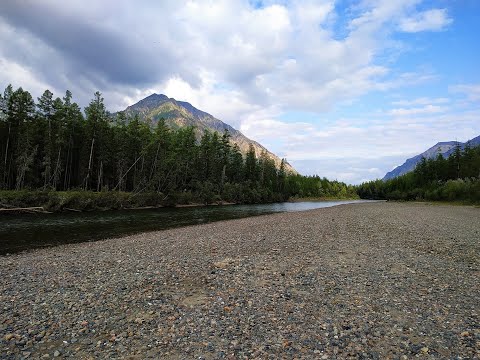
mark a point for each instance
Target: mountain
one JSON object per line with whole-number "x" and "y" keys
{"x": 178, "y": 114}
{"x": 444, "y": 148}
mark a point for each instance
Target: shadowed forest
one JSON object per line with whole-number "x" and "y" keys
{"x": 456, "y": 178}
{"x": 52, "y": 149}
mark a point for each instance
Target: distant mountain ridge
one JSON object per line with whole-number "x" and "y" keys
{"x": 179, "y": 114}
{"x": 445, "y": 148}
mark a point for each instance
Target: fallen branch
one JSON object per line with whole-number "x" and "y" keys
{"x": 74, "y": 210}
{"x": 25, "y": 210}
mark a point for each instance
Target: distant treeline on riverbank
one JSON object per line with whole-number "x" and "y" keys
{"x": 52, "y": 155}
{"x": 456, "y": 178}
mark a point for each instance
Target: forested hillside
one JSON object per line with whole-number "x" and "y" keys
{"x": 179, "y": 114}
{"x": 454, "y": 178}
{"x": 51, "y": 145}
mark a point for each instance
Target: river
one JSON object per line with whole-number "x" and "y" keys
{"x": 29, "y": 231}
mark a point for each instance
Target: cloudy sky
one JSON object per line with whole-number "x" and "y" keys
{"x": 344, "y": 89}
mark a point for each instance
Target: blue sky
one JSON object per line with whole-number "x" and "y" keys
{"x": 342, "y": 89}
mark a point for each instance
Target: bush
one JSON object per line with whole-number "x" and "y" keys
{"x": 185, "y": 197}
{"x": 454, "y": 190}
{"x": 232, "y": 193}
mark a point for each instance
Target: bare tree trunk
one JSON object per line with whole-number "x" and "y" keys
{"x": 6, "y": 175}
{"x": 120, "y": 174}
{"x": 48, "y": 156}
{"x": 154, "y": 165}
{"x": 223, "y": 176}
{"x": 57, "y": 168}
{"x": 22, "y": 169}
{"x": 100, "y": 176}
{"x": 67, "y": 161}
{"x": 130, "y": 168}
{"x": 134, "y": 185}
{"x": 89, "y": 164}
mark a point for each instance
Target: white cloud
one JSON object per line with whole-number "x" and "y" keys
{"x": 428, "y": 109}
{"x": 263, "y": 125}
{"x": 421, "y": 101}
{"x": 313, "y": 13}
{"x": 430, "y": 20}
{"x": 346, "y": 149}
{"x": 15, "y": 74}
{"x": 245, "y": 65}
{"x": 471, "y": 91}
{"x": 282, "y": 54}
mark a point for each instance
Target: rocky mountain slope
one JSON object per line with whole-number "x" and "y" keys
{"x": 444, "y": 148}
{"x": 178, "y": 114}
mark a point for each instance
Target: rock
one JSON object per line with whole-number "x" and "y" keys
{"x": 223, "y": 264}
{"x": 248, "y": 309}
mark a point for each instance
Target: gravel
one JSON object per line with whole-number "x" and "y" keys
{"x": 363, "y": 281}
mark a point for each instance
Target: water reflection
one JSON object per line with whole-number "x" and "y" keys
{"x": 21, "y": 232}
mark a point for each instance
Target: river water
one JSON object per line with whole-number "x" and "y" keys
{"x": 28, "y": 231}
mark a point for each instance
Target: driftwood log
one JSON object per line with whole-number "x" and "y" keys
{"x": 35, "y": 209}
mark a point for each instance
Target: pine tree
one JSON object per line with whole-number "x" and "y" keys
{"x": 21, "y": 110}
{"x": 73, "y": 139}
{"x": 251, "y": 166}
{"x": 45, "y": 114}
{"x": 8, "y": 124}
{"x": 95, "y": 128}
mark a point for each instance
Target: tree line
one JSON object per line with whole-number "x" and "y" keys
{"x": 52, "y": 145}
{"x": 456, "y": 178}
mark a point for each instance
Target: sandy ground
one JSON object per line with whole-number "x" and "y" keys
{"x": 363, "y": 281}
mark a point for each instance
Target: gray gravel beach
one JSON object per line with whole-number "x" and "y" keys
{"x": 363, "y": 281}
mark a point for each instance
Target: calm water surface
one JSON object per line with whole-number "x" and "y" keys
{"x": 27, "y": 231}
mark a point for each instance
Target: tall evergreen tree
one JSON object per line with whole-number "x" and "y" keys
{"x": 95, "y": 131}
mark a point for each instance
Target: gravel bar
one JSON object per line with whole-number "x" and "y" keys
{"x": 362, "y": 281}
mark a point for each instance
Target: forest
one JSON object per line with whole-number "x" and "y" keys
{"x": 456, "y": 178}
{"x": 53, "y": 153}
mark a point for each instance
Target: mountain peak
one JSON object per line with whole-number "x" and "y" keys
{"x": 149, "y": 102}
{"x": 178, "y": 114}
{"x": 446, "y": 148}
{"x": 155, "y": 96}
{"x": 441, "y": 143}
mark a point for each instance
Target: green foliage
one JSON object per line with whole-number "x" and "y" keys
{"x": 316, "y": 187}
{"x": 454, "y": 179}
{"x": 99, "y": 161}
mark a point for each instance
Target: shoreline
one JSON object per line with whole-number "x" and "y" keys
{"x": 322, "y": 199}
{"x": 381, "y": 279}
{"x": 32, "y": 231}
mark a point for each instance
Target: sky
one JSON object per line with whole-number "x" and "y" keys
{"x": 343, "y": 89}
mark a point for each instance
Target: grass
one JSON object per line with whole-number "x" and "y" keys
{"x": 56, "y": 201}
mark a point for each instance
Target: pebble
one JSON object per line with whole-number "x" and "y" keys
{"x": 387, "y": 280}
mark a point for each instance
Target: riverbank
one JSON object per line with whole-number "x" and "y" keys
{"x": 58, "y": 201}
{"x": 26, "y": 201}
{"x": 320, "y": 199}
{"x": 372, "y": 280}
